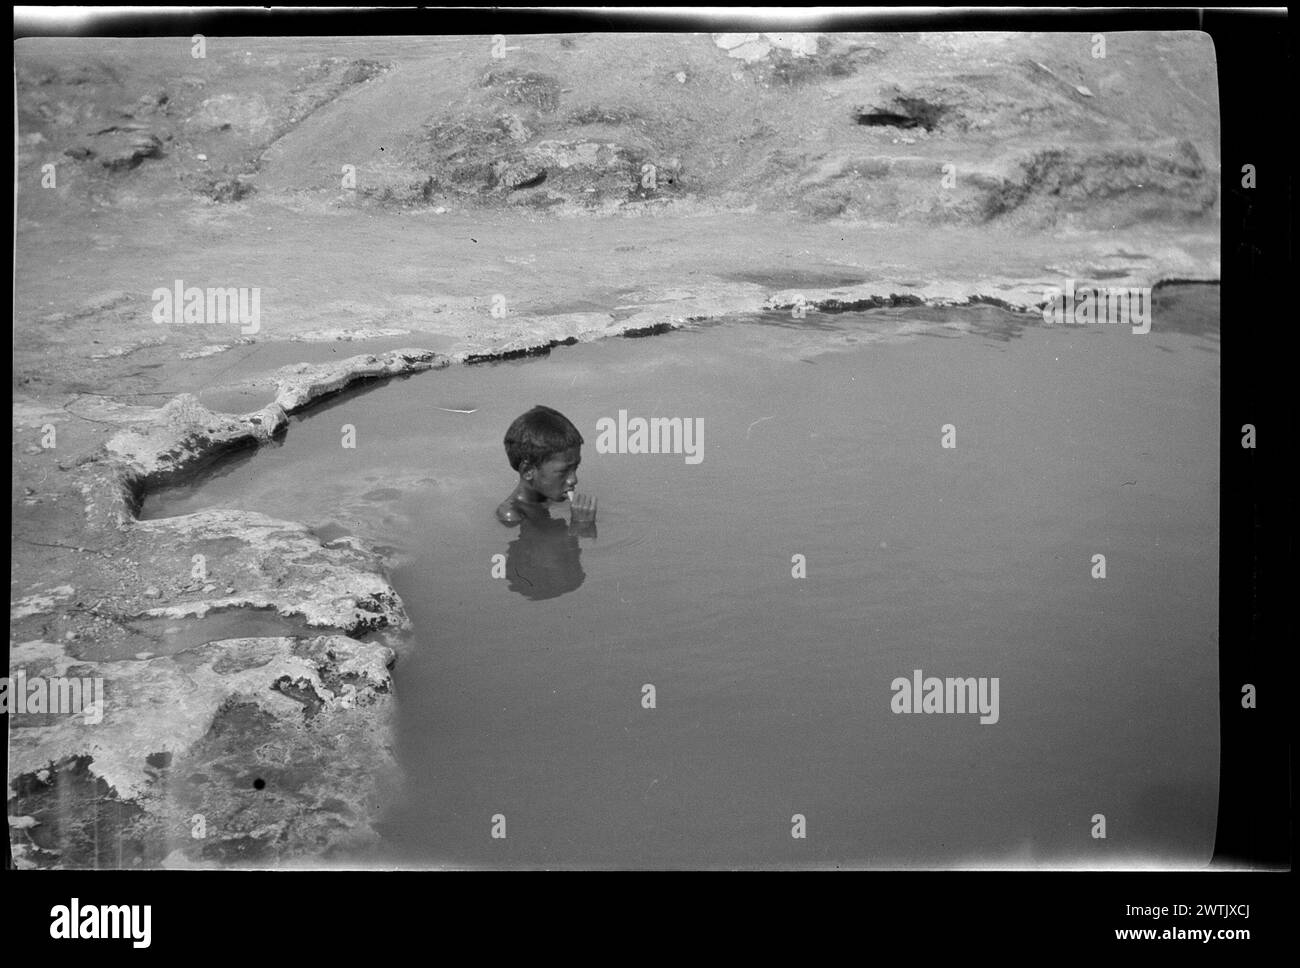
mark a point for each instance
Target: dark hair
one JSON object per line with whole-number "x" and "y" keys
{"x": 539, "y": 433}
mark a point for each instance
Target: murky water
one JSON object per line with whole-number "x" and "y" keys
{"x": 523, "y": 702}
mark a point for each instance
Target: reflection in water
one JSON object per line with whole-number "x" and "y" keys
{"x": 545, "y": 561}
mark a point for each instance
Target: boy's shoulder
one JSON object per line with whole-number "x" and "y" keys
{"x": 508, "y": 512}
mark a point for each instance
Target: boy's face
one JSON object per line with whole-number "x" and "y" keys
{"x": 555, "y": 475}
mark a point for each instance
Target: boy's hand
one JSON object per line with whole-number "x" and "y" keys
{"x": 582, "y": 508}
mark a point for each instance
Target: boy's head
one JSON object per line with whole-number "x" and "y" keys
{"x": 545, "y": 448}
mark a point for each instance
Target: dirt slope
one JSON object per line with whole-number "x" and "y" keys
{"x": 1037, "y": 130}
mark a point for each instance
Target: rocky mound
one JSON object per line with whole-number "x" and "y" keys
{"x": 931, "y": 129}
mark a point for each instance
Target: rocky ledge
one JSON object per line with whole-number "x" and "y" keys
{"x": 187, "y": 746}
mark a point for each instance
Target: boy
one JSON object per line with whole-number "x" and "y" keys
{"x": 546, "y": 449}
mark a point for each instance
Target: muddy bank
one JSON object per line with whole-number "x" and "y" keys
{"x": 160, "y": 772}
{"x": 244, "y": 752}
